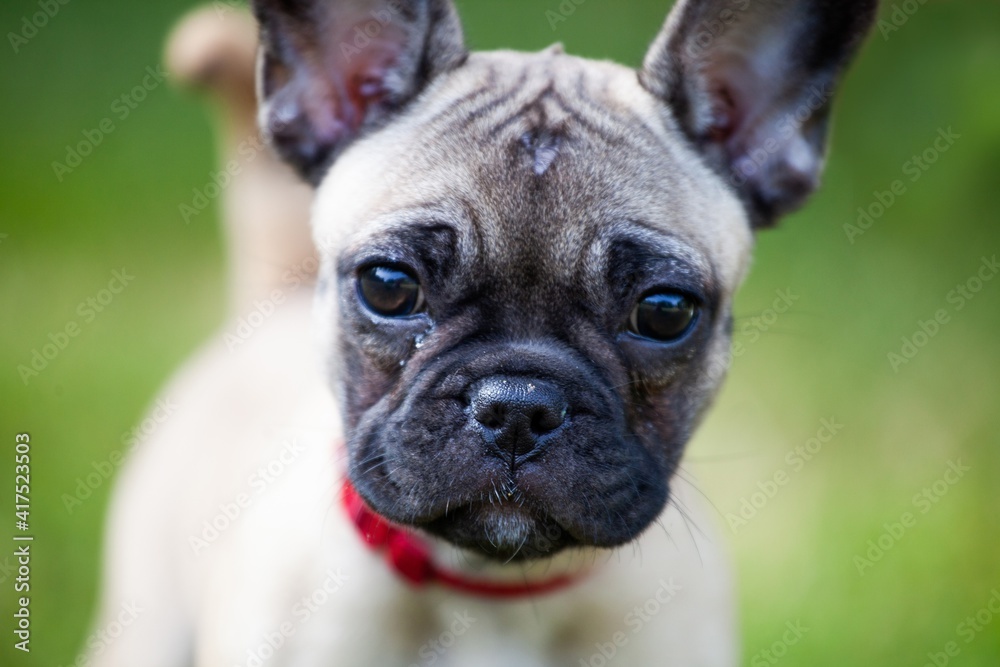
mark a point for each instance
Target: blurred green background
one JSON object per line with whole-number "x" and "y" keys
{"x": 825, "y": 358}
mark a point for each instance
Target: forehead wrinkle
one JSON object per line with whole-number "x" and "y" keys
{"x": 397, "y": 224}
{"x": 664, "y": 243}
{"x": 649, "y": 174}
{"x": 526, "y": 83}
{"x": 513, "y": 87}
{"x": 555, "y": 105}
{"x": 545, "y": 106}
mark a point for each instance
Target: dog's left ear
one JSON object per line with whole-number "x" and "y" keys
{"x": 750, "y": 82}
{"x": 330, "y": 70}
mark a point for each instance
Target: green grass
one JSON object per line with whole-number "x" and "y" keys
{"x": 826, "y": 357}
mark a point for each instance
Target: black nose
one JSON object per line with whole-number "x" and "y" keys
{"x": 515, "y": 413}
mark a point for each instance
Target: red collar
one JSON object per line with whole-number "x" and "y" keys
{"x": 411, "y": 558}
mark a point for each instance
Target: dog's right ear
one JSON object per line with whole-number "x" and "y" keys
{"x": 330, "y": 70}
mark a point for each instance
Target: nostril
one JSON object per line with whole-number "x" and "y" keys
{"x": 545, "y": 419}
{"x": 516, "y": 415}
{"x": 492, "y": 416}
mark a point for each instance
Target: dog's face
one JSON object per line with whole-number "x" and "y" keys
{"x": 532, "y": 301}
{"x": 530, "y": 259}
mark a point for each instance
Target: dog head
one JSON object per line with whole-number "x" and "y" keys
{"x": 530, "y": 259}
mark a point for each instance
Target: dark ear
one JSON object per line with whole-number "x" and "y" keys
{"x": 751, "y": 81}
{"x": 332, "y": 69}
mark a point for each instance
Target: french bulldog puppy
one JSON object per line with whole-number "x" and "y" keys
{"x": 528, "y": 263}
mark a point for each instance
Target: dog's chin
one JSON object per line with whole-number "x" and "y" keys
{"x": 503, "y": 531}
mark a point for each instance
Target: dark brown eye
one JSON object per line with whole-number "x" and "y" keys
{"x": 663, "y": 317}
{"x": 390, "y": 292}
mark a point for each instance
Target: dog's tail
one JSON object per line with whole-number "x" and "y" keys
{"x": 265, "y": 208}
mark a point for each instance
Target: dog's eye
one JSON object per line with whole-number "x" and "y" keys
{"x": 390, "y": 292}
{"x": 663, "y": 317}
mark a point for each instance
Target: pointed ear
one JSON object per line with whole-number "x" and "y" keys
{"x": 750, "y": 82}
{"x": 330, "y": 70}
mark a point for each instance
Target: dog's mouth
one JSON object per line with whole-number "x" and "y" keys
{"x": 508, "y": 529}
{"x": 515, "y": 452}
